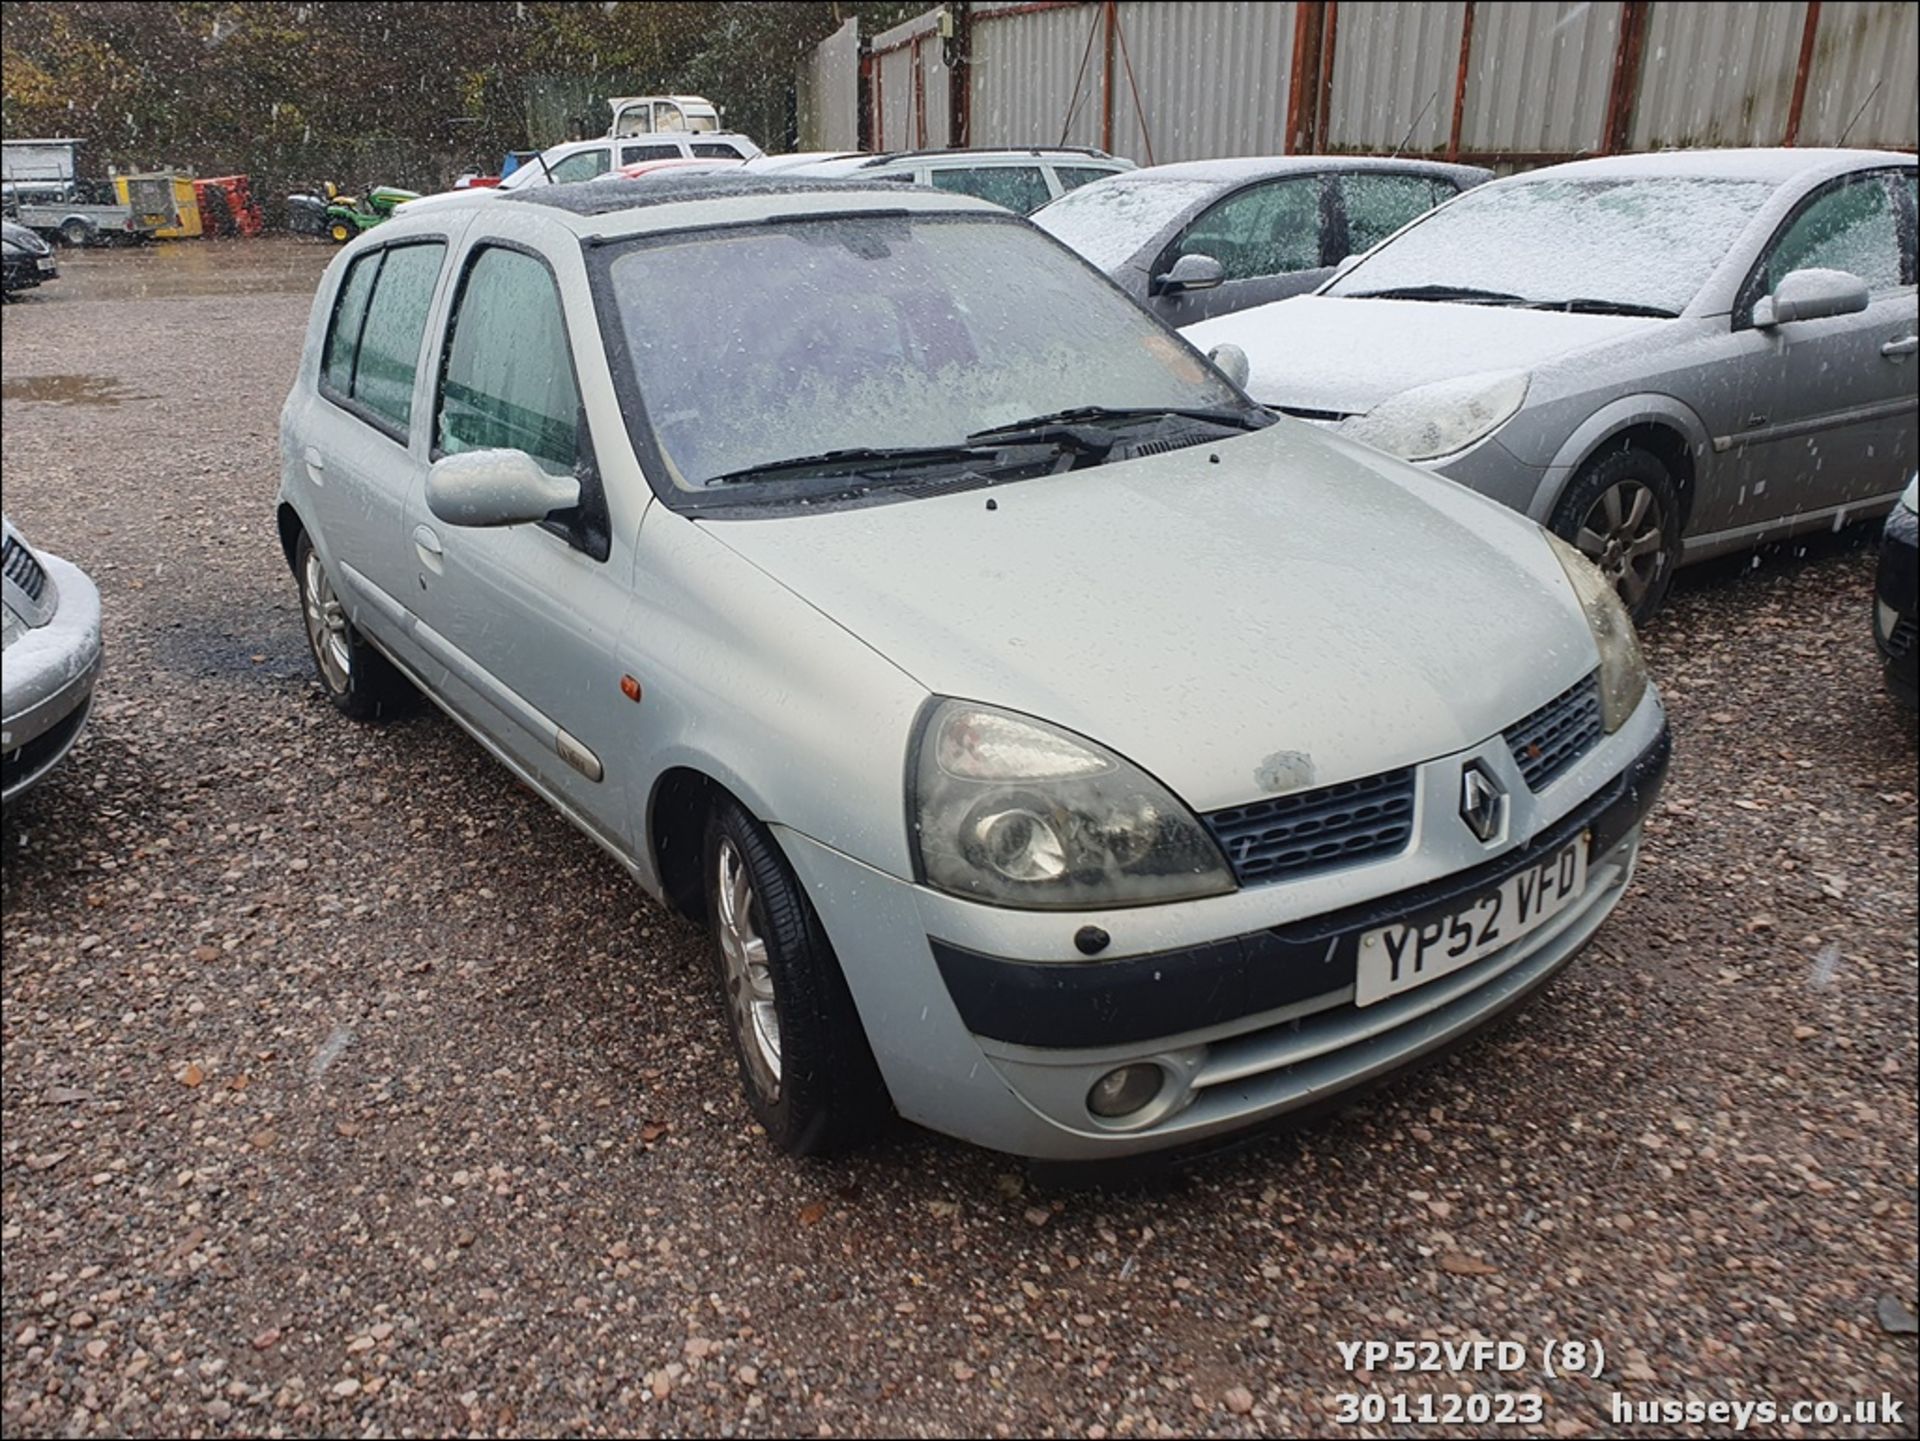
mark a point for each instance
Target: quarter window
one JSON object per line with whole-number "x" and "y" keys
{"x": 1021, "y": 188}
{"x": 584, "y": 166}
{"x": 509, "y": 371}
{"x": 1072, "y": 177}
{"x": 1377, "y": 205}
{"x": 373, "y": 350}
{"x": 715, "y": 150}
{"x": 1851, "y": 227}
{"x": 1269, "y": 229}
{"x": 634, "y": 154}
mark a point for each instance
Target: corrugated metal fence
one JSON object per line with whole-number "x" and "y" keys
{"x": 1503, "y": 82}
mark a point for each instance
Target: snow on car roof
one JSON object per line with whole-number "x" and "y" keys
{"x": 1775, "y": 164}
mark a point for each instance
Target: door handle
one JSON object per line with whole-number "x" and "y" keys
{"x": 316, "y": 463}
{"x": 1905, "y": 345}
{"x": 427, "y": 544}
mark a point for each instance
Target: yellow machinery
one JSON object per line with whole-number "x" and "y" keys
{"x": 166, "y": 200}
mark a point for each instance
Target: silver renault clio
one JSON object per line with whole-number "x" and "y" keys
{"x": 1062, "y": 751}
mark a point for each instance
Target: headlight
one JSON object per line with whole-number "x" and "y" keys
{"x": 1430, "y": 421}
{"x": 1623, "y": 674}
{"x": 11, "y": 627}
{"x": 1017, "y": 812}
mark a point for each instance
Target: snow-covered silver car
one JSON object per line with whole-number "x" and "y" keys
{"x": 50, "y": 657}
{"x": 1660, "y": 357}
{"x": 1052, "y": 742}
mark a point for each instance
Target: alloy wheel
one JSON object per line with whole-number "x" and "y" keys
{"x": 751, "y": 1003}
{"x": 327, "y": 627}
{"x": 1624, "y": 534}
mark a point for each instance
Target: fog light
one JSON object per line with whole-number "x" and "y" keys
{"x": 1126, "y": 1090}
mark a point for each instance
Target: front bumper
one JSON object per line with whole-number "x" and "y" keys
{"x": 1895, "y": 601}
{"x": 1247, "y": 1028}
{"x": 49, "y": 674}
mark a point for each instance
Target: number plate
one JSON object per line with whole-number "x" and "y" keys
{"x": 1397, "y": 958}
{"x": 44, "y": 262}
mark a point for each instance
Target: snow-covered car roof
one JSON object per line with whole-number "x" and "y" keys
{"x": 1774, "y": 164}
{"x": 1258, "y": 167}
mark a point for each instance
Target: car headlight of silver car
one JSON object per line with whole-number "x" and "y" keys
{"x": 1623, "y": 674}
{"x": 11, "y": 626}
{"x": 1010, "y": 810}
{"x": 1430, "y": 421}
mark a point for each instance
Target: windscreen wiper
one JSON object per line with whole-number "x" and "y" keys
{"x": 1587, "y": 305}
{"x": 1462, "y": 294}
{"x": 858, "y": 459}
{"x": 1071, "y": 426}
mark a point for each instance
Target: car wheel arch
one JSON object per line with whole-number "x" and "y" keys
{"x": 1662, "y": 426}
{"x": 291, "y": 527}
{"x": 686, "y": 791}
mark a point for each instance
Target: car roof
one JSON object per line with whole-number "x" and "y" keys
{"x": 1259, "y": 167}
{"x": 1775, "y": 164}
{"x": 610, "y": 208}
{"x": 853, "y": 164}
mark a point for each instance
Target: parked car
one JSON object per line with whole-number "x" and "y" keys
{"x": 677, "y": 166}
{"x": 587, "y": 159}
{"x": 1213, "y": 236}
{"x": 1021, "y": 180}
{"x": 51, "y": 617}
{"x": 29, "y": 259}
{"x": 1058, "y": 752}
{"x": 1661, "y": 357}
{"x": 1895, "y": 599}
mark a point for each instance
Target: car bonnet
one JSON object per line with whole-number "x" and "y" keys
{"x": 1299, "y": 595}
{"x": 1343, "y": 356}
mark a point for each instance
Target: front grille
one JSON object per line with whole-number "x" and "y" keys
{"x": 1292, "y": 836}
{"x": 22, "y": 569}
{"x": 1558, "y": 734}
{"x": 1905, "y": 633}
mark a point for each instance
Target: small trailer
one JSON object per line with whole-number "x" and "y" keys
{"x": 42, "y": 190}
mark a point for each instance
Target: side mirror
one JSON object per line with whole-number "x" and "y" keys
{"x": 1190, "y": 272}
{"x": 1811, "y": 295}
{"x": 496, "y": 487}
{"x": 1344, "y": 266}
{"x": 1231, "y": 361}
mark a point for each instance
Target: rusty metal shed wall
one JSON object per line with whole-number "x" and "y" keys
{"x": 1214, "y": 79}
{"x": 1538, "y": 76}
{"x": 1866, "y": 64}
{"x": 828, "y": 85}
{"x": 1717, "y": 72}
{"x": 1186, "y": 58}
{"x": 1028, "y": 77}
{"x": 1394, "y": 68}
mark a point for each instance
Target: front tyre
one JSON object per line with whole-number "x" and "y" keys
{"x": 1623, "y": 513}
{"x": 805, "y": 1066}
{"x": 357, "y": 678}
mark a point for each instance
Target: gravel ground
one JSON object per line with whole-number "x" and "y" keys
{"x": 348, "y": 1090}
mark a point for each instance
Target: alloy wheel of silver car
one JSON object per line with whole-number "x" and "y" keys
{"x": 1623, "y": 533}
{"x": 327, "y": 626}
{"x": 751, "y": 1002}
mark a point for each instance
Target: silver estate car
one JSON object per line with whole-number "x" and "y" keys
{"x": 1044, "y": 734}
{"x": 51, "y": 659}
{"x": 1660, "y": 357}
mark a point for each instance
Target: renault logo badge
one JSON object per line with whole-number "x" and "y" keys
{"x": 1482, "y": 802}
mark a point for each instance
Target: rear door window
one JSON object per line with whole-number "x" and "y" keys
{"x": 715, "y": 150}
{"x": 1272, "y": 228}
{"x": 1376, "y": 205}
{"x": 508, "y": 379}
{"x": 1021, "y": 188}
{"x": 373, "y": 351}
